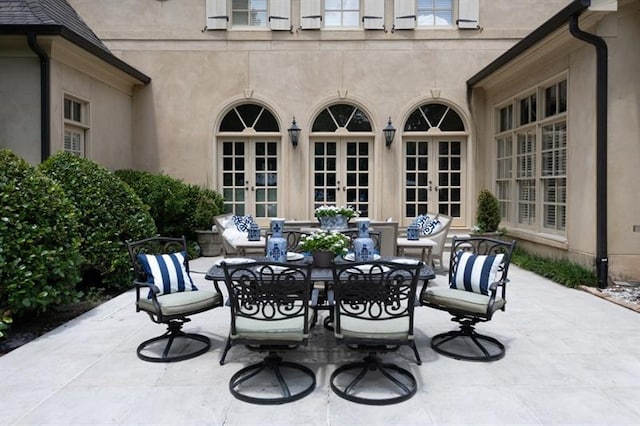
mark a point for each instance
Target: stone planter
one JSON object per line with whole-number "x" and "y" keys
{"x": 210, "y": 243}
{"x": 322, "y": 258}
{"x": 333, "y": 223}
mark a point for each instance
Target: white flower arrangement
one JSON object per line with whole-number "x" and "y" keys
{"x": 330, "y": 241}
{"x": 327, "y": 211}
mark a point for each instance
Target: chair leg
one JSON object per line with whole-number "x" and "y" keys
{"x": 273, "y": 367}
{"x": 174, "y": 332}
{"x": 415, "y": 352}
{"x": 226, "y": 349}
{"x": 491, "y": 349}
{"x": 402, "y": 383}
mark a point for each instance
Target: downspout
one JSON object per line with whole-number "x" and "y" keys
{"x": 45, "y": 96}
{"x": 602, "y": 261}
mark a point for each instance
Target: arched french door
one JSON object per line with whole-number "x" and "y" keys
{"x": 434, "y": 153}
{"x": 249, "y": 147}
{"x": 342, "y": 158}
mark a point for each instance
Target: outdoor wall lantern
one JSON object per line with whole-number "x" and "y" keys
{"x": 294, "y": 133}
{"x": 389, "y": 133}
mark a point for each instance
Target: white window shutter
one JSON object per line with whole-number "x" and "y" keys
{"x": 280, "y": 15}
{"x": 217, "y": 17}
{"x": 373, "y": 18}
{"x": 310, "y": 14}
{"x": 468, "y": 14}
{"x": 404, "y": 15}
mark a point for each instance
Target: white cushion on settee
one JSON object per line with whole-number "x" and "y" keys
{"x": 231, "y": 235}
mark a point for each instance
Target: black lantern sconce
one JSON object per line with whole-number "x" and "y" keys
{"x": 294, "y": 133}
{"x": 389, "y": 133}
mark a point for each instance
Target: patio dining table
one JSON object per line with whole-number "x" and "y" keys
{"x": 318, "y": 275}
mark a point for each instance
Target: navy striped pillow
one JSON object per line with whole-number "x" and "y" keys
{"x": 167, "y": 272}
{"x": 475, "y": 273}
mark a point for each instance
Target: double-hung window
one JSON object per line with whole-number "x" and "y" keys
{"x": 76, "y": 126}
{"x": 531, "y": 159}
{"x": 249, "y": 13}
{"x": 272, "y": 15}
{"x": 434, "y": 13}
{"x": 412, "y": 14}
{"x": 341, "y": 13}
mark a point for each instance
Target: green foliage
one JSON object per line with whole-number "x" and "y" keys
{"x": 110, "y": 213}
{"x": 560, "y": 271}
{"x": 324, "y": 240}
{"x": 176, "y": 207}
{"x": 488, "y": 215}
{"x": 39, "y": 241}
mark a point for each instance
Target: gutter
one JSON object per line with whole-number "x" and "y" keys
{"x": 602, "y": 79}
{"x": 45, "y": 96}
{"x": 570, "y": 14}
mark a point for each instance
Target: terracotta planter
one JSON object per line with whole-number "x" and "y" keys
{"x": 322, "y": 258}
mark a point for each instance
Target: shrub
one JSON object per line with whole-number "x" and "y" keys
{"x": 176, "y": 207}
{"x": 488, "y": 216}
{"x": 109, "y": 212}
{"x": 561, "y": 271}
{"x": 39, "y": 241}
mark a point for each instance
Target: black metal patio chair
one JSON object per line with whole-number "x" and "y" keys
{"x": 161, "y": 266}
{"x": 477, "y": 288}
{"x": 270, "y": 313}
{"x": 374, "y": 309}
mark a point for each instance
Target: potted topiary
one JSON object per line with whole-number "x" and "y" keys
{"x": 209, "y": 238}
{"x": 488, "y": 215}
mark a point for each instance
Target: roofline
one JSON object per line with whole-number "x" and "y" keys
{"x": 73, "y": 37}
{"x": 556, "y": 21}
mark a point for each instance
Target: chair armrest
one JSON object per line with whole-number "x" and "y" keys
{"x": 139, "y": 284}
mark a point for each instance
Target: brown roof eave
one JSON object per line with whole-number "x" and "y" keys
{"x": 556, "y": 21}
{"x": 64, "y": 32}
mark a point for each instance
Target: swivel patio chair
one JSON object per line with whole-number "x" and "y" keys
{"x": 374, "y": 307}
{"x": 161, "y": 265}
{"x": 270, "y": 313}
{"x": 477, "y": 289}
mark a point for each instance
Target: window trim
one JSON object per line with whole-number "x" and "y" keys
{"x": 82, "y": 127}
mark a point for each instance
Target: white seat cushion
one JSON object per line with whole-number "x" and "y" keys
{"x": 182, "y": 303}
{"x": 391, "y": 329}
{"x": 291, "y": 329}
{"x": 461, "y": 300}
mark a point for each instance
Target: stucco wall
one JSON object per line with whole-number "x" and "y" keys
{"x": 20, "y": 104}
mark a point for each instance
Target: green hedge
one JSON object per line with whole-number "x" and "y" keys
{"x": 110, "y": 213}
{"x": 560, "y": 271}
{"x": 177, "y": 208}
{"x": 39, "y": 240}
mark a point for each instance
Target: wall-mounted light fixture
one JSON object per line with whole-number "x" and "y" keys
{"x": 294, "y": 133}
{"x": 389, "y": 133}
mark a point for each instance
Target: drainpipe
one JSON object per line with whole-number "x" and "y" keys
{"x": 45, "y": 97}
{"x": 602, "y": 261}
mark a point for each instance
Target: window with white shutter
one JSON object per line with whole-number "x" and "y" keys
{"x": 280, "y": 15}
{"x": 404, "y": 15}
{"x": 434, "y": 13}
{"x": 310, "y": 14}
{"x": 217, "y": 17}
{"x": 373, "y": 17}
{"x": 76, "y": 126}
{"x": 468, "y": 14}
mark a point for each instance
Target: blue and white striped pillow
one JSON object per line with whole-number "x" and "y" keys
{"x": 167, "y": 272}
{"x": 475, "y": 273}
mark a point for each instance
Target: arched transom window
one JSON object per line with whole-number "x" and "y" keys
{"x": 434, "y": 116}
{"x": 249, "y": 116}
{"x": 342, "y": 116}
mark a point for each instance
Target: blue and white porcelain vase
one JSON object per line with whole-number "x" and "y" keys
{"x": 277, "y": 245}
{"x": 253, "y": 234}
{"x": 363, "y": 245}
{"x": 413, "y": 232}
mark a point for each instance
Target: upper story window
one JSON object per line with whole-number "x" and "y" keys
{"x": 76, "y": 126}
{"x": 251, "y": 13}
{"x": 528, "y": 107}
{"x": 341, "y": 13}
{"x": 434, "y": 13}
{"x": 555, "y": 99}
